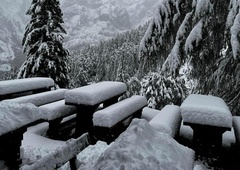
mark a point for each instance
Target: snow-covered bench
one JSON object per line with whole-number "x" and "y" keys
{"x": 113, "y": 120}
{"x": 42, "y": 98}
{"x": 168, "y": 120}
{"x": 14, "y": 121}
{"x": 209, "y": 117}
{"x": 236, "y": 127}
{"x": 149, "y": 113}
{"x": 21, "y": 87}
{"x": 52, "y": 107}
{"x": 16, "y": 116}
{"x": 88, "y": 98}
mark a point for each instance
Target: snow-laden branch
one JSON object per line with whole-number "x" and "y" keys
{"x": 172, "y": 62}
{"x": 233, "y": 8}
{"x": 159, "y": 25}
{"x": 235, "y": 30}
{"x": 194, "y": 36}
{"x": 202, "y": 8}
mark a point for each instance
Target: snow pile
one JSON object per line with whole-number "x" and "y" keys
{"x": 149, "y": 113}
{"x": 206, "y": 110}
{"x": 21, "y": 85}
{"x": 95, "y": 93}
{"x": 35, "y": 146}
{"x": 15, "y": 115}
{"x": 142, "y": 147}
{"x": 236, "y": 126}
{"x": 57, "y": 109}
{"x": 117, "y": 112}
{"x": 91, "y": 154}
{"x": 40, "y": 98}
{"x": 168, "y": 120}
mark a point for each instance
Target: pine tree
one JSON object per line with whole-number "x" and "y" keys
{"x": 204, "y": 32}
{"x": 43, "y": 43}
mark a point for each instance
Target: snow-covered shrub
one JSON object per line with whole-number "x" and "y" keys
{"x": 161, "y": 90}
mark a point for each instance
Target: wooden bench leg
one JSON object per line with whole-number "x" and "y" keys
{"x": 53, "y": 130}
{"x": 10, "y": 145}
{"x": 72, "y": 163}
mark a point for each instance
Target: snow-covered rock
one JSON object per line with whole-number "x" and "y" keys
{"x": 142, "y": 147}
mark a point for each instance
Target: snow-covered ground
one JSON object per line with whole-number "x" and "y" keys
{"x": 35, "y": 146}
{"x": 139, "y": 147}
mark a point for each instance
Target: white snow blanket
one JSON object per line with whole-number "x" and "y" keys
{"x": 56, "y": 109}
{"x": 40, "y": 98}
{"x": 206, "y": 110}
{"x": 168, "y": 120}
{"x": 21, "y": 85}
{"x": 95, "y": 93}
{"x": 141, "y": 147}
{"x": 117, "y": 112}
{"x": 149, "y": 113}
{"x": 15, "y": 115}
{"x": 236, "y": 126}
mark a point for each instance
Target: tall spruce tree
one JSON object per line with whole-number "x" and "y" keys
{"x": 43, "y": 43}
{"x": 204, "y": 33}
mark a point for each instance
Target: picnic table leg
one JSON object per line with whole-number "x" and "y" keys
{"x": 207, "y": 141}
{"x": 111, "y": 101}
{"x": 53, "y": 130}
{"x": 84, "y": 119}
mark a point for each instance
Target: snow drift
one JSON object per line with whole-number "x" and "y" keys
{"x": 142, "y": 147}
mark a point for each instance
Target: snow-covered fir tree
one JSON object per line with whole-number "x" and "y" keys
{"x": 204, "y": 32}
{"x": 43, "y": 43}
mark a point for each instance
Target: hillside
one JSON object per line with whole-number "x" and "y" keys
{"x": 86, "y": 22}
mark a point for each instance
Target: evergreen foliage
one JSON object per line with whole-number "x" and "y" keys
{"x": 158, "y": 89}
{"x": 204, "y": 32}
{"x": 114, "y": 59}
{"x": 43, "y": 43}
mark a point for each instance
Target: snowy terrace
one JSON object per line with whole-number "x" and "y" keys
{"x": 141, "y": 146}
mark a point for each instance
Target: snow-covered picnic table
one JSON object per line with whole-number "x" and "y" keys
{"x": 88, "y": 98}
{"x": 209, "y": 117}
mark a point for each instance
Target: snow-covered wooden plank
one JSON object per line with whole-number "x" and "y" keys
{"x": 16, "y": 115}
{"x": 168, "y": 120}
{"x": 56, "y": 110}
{"x": 113, "y": 114}
{"x": 206, "y": 110}
{"x": 40, "y": 98}
{"x": 27, "y": 84}
{"x": 236, "y": 127}
{"x": 60, "y": 156}
{"x": 95, "y": 93}
{"x": 149, "y": 113}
